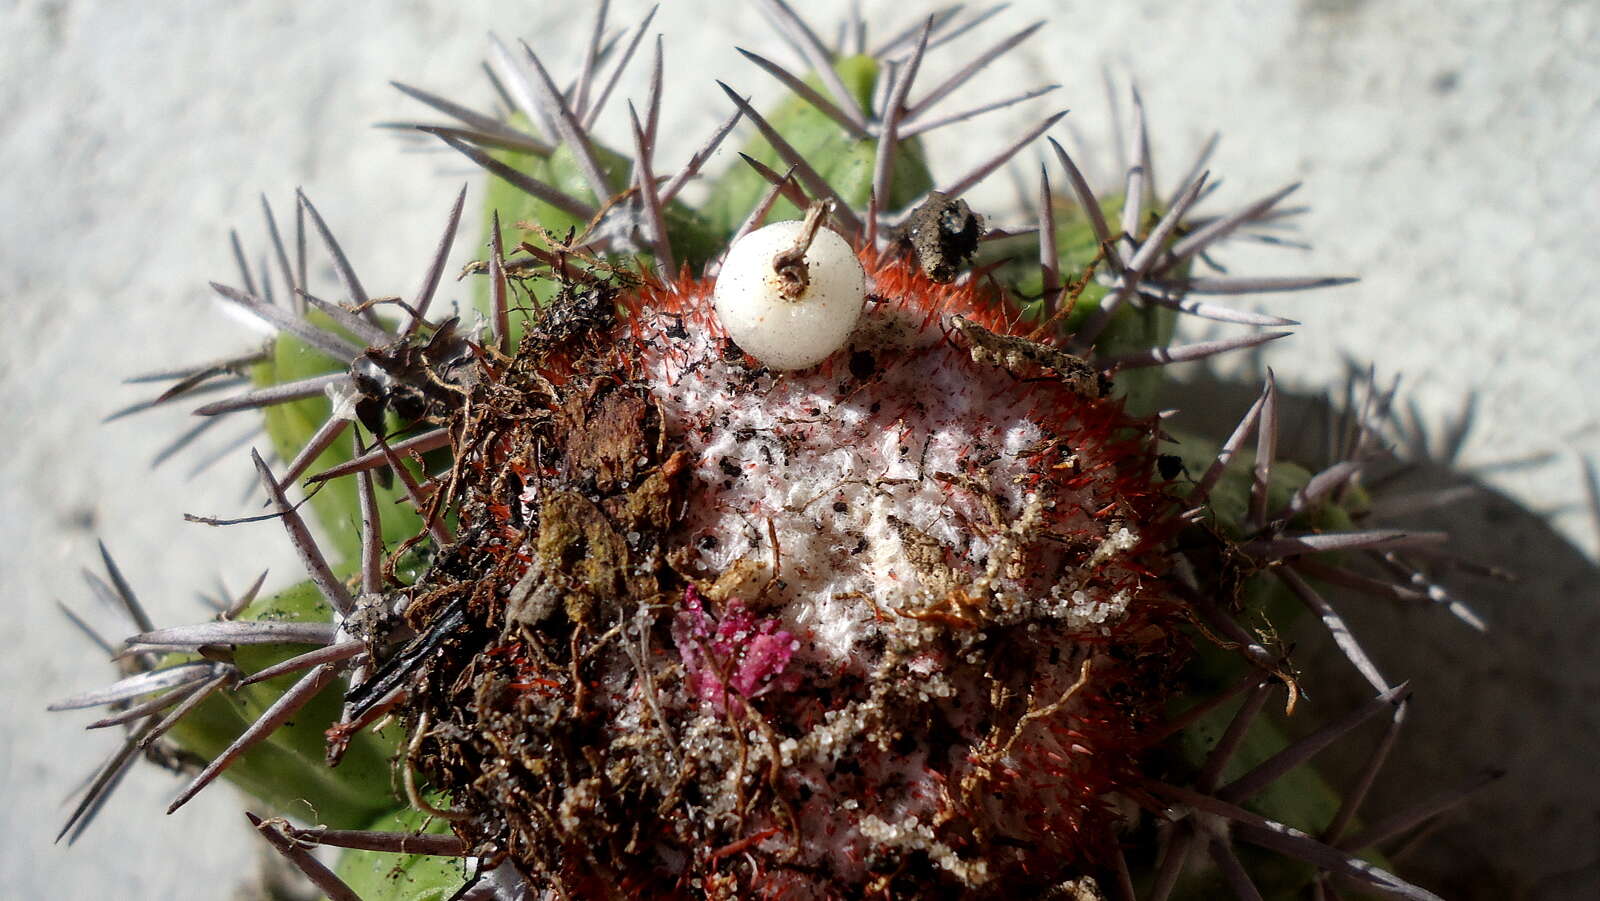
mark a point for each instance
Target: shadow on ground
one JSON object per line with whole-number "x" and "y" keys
{"x": 1524, "y": 697}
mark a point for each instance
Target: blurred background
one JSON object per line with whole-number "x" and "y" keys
{"x": 1450, "y": 154}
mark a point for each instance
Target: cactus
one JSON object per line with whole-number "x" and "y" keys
{"x": 643, "y": 578}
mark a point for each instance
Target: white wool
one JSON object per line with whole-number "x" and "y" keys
{"x": 814, "y": 459}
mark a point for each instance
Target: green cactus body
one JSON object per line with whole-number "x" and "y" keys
{"x": 289, "y": 771}
{"x": 402, "y": 877}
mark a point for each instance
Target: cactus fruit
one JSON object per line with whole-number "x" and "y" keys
{"x": 840, "y": 556}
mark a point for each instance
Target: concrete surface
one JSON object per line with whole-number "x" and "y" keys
{"x": 1450, "y": 154}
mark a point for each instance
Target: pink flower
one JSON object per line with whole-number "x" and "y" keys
{"x": 739, "y": 652}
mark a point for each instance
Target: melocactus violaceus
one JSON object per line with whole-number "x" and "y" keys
{"x": 651, "y": 601}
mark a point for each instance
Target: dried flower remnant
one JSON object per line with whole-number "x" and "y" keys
{"x": 673, "y": 601}
{"x": 943, "y": 233}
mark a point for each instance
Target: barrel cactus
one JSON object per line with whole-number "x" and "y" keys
{"x": 796, "y": 530}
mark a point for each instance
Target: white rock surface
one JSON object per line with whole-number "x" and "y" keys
{"x": 1450, "y": 155}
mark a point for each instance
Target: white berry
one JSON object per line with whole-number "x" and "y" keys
{"x": 781, "y": 333}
